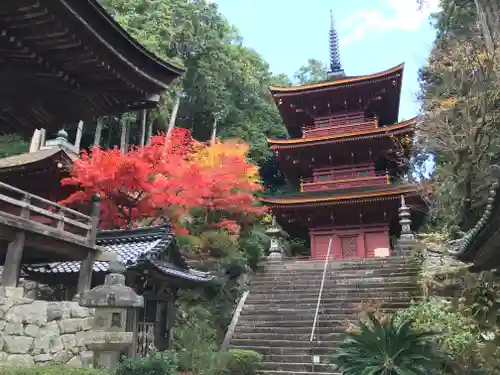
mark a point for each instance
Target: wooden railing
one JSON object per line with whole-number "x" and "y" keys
{"x": 335, "y": 128}
{"x": 16, "y": 202}
{"x": 344, "y": 173}
{"x": 145, "y": 337}
{"x": 308, "y": 184}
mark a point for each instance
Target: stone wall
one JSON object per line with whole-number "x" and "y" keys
{"x": 39, "y": 332}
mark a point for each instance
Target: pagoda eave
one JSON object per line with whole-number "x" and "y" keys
{"x": 65, "y": 61}
{"x": 386, "y": 131}
{"x": 280, "y": 91}
{"x": 304, "y": 199}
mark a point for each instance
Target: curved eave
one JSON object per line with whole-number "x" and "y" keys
{"x": 280, "y": 90}
{"x": 104, "y": 28}
{"x": 387, "y": 194}
{"x": 385, "y": 131}
{"x": 33, "y": 160}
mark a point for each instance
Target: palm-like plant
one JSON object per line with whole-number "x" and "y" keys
{"x": 387, "y": 346}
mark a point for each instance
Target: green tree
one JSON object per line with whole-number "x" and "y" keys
{"x": 12, "y": 144}
{"x": 460, "y": 92}
{"x": 313, "y": 72}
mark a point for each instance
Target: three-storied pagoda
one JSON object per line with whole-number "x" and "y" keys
{"x": 345, "y": 151}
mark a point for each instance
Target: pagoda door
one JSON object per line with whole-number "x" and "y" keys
{"x": 350, "y": 247}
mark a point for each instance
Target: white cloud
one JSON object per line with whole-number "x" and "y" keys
{"x": 392, "y": 15}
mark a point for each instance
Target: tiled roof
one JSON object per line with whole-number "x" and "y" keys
{"x": 30, "y": 158}
{"x": 189, "y": 274}
{"x": 132, "y": 246}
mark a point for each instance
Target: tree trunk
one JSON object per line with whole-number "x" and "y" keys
{"x": 142, "y": 138}
{"x": 149, "y": 120}
{"x": 98, "y": 132}
{"x": 173, "y": 117}
{"x": 79, "y": 133}
{"x": 123, "y": 135}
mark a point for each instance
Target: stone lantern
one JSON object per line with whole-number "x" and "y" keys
{"x": 108, "y": 337}
{"x": 275, "y": 248}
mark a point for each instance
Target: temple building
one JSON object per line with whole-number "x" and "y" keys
{"x": 155, "y": 269}
{"x": 66, "y": 62}
{"x": 346, "y": 155}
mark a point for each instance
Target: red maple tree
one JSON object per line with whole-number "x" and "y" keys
{"x": 162, "y": 181}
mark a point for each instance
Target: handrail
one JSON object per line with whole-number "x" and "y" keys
{"x": 41, "y": 211}
{"x": 320, "y": 294}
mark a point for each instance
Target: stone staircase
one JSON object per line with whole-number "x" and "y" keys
{"x": 277, "y": 317}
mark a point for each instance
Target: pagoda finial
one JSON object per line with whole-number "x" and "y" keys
{"x": 335, "y": 66}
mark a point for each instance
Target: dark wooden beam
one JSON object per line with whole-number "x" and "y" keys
{"x": 12, "y": 266}
{"x": 85, "y": 275}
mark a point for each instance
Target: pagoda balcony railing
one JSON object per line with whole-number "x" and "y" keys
{"x": 336, "y": 128}
{"x": 310, "y": 185}
{"x": 20, "y": 205}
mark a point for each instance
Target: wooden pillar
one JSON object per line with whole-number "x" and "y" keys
{"x": 161, "y": 332}
{"x": 170, "y": 318}
{"x": 85, "y": 275}
{"x": 142, "y": 138}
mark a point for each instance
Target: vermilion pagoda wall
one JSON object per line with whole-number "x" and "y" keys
{"x": 358, "y": 242}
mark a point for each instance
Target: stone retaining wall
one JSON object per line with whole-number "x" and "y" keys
{"x": 39, "y": 332}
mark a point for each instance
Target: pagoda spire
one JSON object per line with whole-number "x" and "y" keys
{"x": 335, "y": 66}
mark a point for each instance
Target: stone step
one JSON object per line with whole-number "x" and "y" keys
{"x": 337, "y": 273}
{"x": 355, "y": 295}
{"x": 303, "y": 329}
{"x": 252, "y": 342}
{"x": 305, "y": 349}
{"x": 314, "y": 265}
{"x": 333, "y": 282}
{"x": 296, "y": 358}
{"x": 295, "y": 367}
{"x": 311, "y": 306}
{"x": 290, "y": 336}
{"x": 288, "y": 324}
{"x": 278, "y": 317}
{"x": 254, "y": 299}
{"x": 362, "y": 284}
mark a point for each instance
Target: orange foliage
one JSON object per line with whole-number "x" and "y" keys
{"x": 161, "y": 182}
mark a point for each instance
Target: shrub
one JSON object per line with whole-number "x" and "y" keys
{"x": 160, "y": 363}
{"x": 50, "y": 370}
{"x": 458, "y": 333}
{"x": 387, "y": 347}
{"x": 242, "y": 362}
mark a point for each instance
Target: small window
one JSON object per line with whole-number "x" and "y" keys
{"x": 324, "y": 177}
{"x": 364, "y": 173}
{"x": 116, "y": 320}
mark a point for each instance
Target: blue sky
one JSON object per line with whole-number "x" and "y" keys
{"x": 374, "y": 35}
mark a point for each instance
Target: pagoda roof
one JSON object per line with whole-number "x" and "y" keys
{"x": 64, "y": 61}
{"x": 384, "y": 131}
{"x": 34, "y": 160}
{"x": 479, "y": 245}
{"x": 337, "y": 83}
{"x": 373, "y": 95}
{"x": 341, "y": 196}
{"x": 134, "y": 247}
